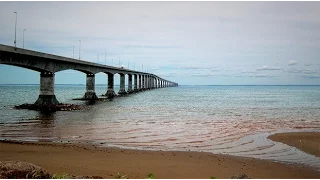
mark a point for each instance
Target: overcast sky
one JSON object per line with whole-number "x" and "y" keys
{"x": 192, "y": 43}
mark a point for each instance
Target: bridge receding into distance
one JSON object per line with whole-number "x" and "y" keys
{"x": 48, "y": 65}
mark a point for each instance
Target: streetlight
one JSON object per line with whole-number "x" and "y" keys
{"x": 15, "y": 32}
{"x": 23, "y": 38}
{"x": 73, "y": 53}
{"x": 105, "y": 57}
{"x": 79, "y": 48}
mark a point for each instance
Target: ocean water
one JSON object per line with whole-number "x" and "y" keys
{"x": 233, "y": 120}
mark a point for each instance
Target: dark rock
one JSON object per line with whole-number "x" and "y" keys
{"x": 50, "y": 108}
{"x": 22, "y": 170}
{"x": 241, "y": 176}
{"x": 87, "y": 177}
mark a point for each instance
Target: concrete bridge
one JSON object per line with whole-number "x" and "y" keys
{"x": 48, "y": 65}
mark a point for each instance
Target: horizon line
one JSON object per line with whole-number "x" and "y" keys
{"x": 200, "y": 84}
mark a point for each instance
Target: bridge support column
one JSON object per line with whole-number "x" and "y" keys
{"x": 110, "y": 92}
{"x": 142, "y": 82}
{"x": 130, "y": 83}
{"x": 135, "y": 86}
{"x": 122, "y": 90}
{"x": 153, "y": 80}
{"x": 90, "y": 93}
{"x": 146, "y": 82}
{"x": 46, "y": 96}
{"x": 149, "y": 82}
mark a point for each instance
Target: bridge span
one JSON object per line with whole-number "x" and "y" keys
{"x": 49, "y": 64}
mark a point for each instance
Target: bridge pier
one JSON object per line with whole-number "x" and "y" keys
{"x": 46, "y": 96}
{"x": 130, "y": 83}
{"x": 152, "y": 82}
{"x": 149, "y": 82}
{"x": 142, "y": 82}
{"x": 110, "y": 92}
{"x": 122, "y": 90}
{"x": 90, "y": 93}
{"x": 146, "y": 87}
{"x": 135, "y": 86}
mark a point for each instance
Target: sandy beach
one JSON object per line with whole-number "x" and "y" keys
{"x": 308, "y": 142}
{"x": 88, "y": 160}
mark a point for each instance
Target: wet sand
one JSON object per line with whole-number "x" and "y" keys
{"x": 308, "y": 142}
{"x": 85, "y": 160}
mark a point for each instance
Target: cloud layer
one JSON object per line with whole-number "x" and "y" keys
{"x": 186, "y": 42}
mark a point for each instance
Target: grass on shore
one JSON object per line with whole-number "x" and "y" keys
{"x": 63, "y": 176}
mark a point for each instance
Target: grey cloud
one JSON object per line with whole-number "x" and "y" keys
{"x": 211, "y": 68}
{"x": 311, "y": 76}
{"x": 302, "y": 71}
{"x": 266, "y": 68}
{"x": 248, "y": 72}
{"x": 256, "y": 76}
{"x": 152, "y": 46}
{"x": 261, "y": 76}
{"x": 292, "y": 63}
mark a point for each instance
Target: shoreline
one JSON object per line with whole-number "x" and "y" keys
{"x": 90, "y": 160}
{"x": 308, "y": 142}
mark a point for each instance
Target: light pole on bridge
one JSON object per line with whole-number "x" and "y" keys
{"x": 79, "y": 48}
{"x": 15, "y": 32}
{"x": 23, "y": 38}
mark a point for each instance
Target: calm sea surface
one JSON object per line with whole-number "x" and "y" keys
{"x": 232, "y": 120}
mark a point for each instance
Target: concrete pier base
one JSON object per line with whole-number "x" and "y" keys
{"x": 135, "y": 86}
{"x": 142, "y": 83}
{"x": 46, "y": 96}
{"x": 122, "y": 90}
{"x": 122, "y": 93}
{"x": 47, "y": 100}
{"x": 90, "y": 93}
{"x": 110, "y": 92}
{"x": 90, "y": 96}
{"x": 130, "y": 84}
